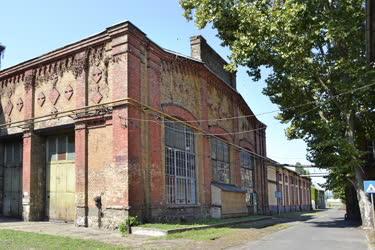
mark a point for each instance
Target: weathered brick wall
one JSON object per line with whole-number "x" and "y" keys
{"x": 188, "y": 91}
{"x": 202, "y": 51}
{"x": 120, "y": 157}
{"x": 34, "y": 177}
{"x": 54, "y": 93}
{"x": 1, "y": 176}
{"x": 12, "y": 100}
{"x": 302, "y": 191}
{"x": 75, "y": 76}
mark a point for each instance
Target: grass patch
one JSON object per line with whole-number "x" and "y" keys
{"x": 207, "y": 234}
{"x": 197, "y": 223}
{"x": 11, "y": 239}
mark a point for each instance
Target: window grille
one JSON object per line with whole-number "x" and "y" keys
{"x": 220, "y": 160}
{"x": 180, "y": 164}
{"x": 247, "y": 166}
{"x": 13, "y": 153}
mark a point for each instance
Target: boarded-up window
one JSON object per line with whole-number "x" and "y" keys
{"x": 220, "y": 160}
{"x": 180, "y": 164}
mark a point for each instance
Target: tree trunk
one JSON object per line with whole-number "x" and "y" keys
{"x": 352, "y": 208}
{"x": 363, "y": 201}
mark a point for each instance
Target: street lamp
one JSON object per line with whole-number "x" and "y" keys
{"x": 2, "y": 49}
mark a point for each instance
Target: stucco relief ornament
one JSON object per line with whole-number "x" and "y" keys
{"x": 19, "y": 104}
{"x": 78, "y": 66}
{"x": 54, "y": 79}
{"x": 68, "y": 92}
{"x": 97, "y": 74}
{"x": 9, "y": 108}
{"x": 29, "y": 80}
{"x": 9, "y": 91}
{"x": 54, "y": 112}
{"x": 244, "y": 125}
{"x": 41, "y": 99}
{"x": 97, "y": 96}
{"x": 54, "y": 95}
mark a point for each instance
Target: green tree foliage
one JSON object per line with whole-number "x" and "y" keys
{"x": 320, "y": 77}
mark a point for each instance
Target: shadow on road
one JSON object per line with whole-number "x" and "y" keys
{"x": 337, "y": 223}
{"x": 281, "y": 218}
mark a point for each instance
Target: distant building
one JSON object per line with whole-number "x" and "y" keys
{"x": 318, "y": 198}
{"x": 287, "y": 190}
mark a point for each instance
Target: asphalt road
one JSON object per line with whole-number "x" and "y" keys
{"x": 327, "y": 231}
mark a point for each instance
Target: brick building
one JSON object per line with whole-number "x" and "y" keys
{"x": 287, "y": 190}
{"x": 115, "y": 125}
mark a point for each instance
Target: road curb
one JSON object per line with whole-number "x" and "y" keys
{"x": 159, "y": 232}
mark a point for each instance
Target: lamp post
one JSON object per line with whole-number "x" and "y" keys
{"x": 2, "y": 49}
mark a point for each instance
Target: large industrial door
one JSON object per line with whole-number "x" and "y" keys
{"x": 61, "y": 178}
{"x": 12, "y": 199}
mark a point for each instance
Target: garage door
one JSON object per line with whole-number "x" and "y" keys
{"x": 61, "y": 178}
{"x": 12, "y": 198}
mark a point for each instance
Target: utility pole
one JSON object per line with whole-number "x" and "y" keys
{"x": 2, "y": 49}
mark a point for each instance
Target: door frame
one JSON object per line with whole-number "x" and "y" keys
{"x": 57, "y": 162}
{"x": 13, "y": 165}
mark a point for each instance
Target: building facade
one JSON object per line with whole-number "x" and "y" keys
{"x": 318, "y": 197}
{"x": 287, "y": 190}
{"x": 115, "y": 125}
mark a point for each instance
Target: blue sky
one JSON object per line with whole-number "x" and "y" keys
{"x": 31, "y": 28}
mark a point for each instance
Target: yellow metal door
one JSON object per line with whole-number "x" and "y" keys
{"x": 60, "y": 179}
{"x": 12, "y": 198}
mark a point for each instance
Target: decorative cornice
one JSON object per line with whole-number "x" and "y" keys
{"x": 79, "y": 64}
{"x": 29, "y": 80}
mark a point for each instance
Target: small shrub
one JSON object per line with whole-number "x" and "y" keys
{"x": 125, "y": 227}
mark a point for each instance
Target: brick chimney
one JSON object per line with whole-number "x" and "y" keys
{"x": 200, "y": 50}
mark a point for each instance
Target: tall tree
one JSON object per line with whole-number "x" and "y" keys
{"x": 320, "y": 77}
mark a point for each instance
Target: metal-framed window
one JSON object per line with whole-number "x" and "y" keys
{"x": 247, "y": 166}
{"x": 220, "y": 160}
{"x": 13, "y": 153}
{"x": 60, "y": 148}
{"x": 247, "y": 160}
{"x": 180, "y": 164}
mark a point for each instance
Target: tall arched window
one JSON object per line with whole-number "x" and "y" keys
{"x": 220, "y": 160}
{"x": 180, "y": 164}
{"x": 247, "y": 168}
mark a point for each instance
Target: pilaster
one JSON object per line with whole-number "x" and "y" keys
{"x": 120, "y": 124}
{"x": 81, "y": 174}
{"x": 81, "y": 171}
{"x": 1, "y": 176}
{"x": 33, "y": 177}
